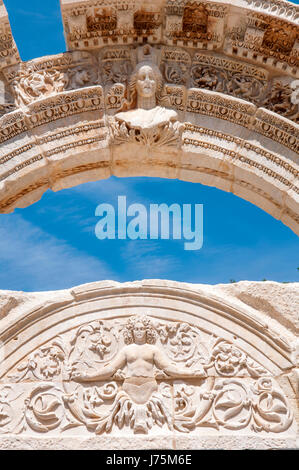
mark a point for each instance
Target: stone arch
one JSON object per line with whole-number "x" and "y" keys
{"x": 246, "y": 354}
{"x": 236, "y": 106}
{"x": 78, "y": 150}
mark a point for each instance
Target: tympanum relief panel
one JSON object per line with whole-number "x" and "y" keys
{"x": 141, "y": 375}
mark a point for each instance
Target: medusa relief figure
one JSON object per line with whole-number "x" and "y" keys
{"x": 136, "y": 364}
{"x": 139, "y": 357}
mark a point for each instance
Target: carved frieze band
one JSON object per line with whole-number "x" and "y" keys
{"x": 41, "y": 78}
{"x": 152, "y": 111}
{"x": 137, "y": 374}
{"x": 197, "y": 24}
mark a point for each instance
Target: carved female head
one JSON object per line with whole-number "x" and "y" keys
{"x": 138, "y": 328}
{"x": 145, "y": 86}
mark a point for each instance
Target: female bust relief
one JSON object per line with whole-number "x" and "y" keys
{"x": 144, "y": 87}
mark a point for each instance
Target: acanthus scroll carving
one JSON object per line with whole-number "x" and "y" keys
{"x": 282, "y": 100}
{"x": 115, "y": 69}
{"x": 31, "y": 87}
{"x": 138, "y": 373}
{"x": 165, "y": 133}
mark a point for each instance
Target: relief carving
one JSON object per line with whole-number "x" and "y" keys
{"x": 146, "y": 22}
{"x": 32, "y": 86}
{"x": 43, "y": 364}
{"x": 42, "y": 78}
{"x": 115, "y": 65}
{"x": 115, "y": 97}
{"x": 282, "y": 100}
{"x": 230, "y": 77}
{"x": 138, "y": 401}
{"x": 148, "y": 124}
{"x": 139, "y": 373}
{"x": 102, "y": 20}
{"x": 115, "y": 72}
{"x": 278, "y": 38}
{"x": 8, "y": 50}
{"x": 195, "y": 19}
{"x": 266, "y": 36}
{"x": 176, "y": 63}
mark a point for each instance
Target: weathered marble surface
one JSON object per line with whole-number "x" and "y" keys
{"x": 167, "y": 363}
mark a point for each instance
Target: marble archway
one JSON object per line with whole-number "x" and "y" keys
{"x": 236, "y": 103}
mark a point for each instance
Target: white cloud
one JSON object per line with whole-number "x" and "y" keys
{"x": 147, "y": 260}
{"x": 31, "y": 259}
{"x": 108, "y": 190}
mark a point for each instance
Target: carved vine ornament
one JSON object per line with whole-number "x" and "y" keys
{"x": 141, "y": 92}
{"x": 178, "y": 67}
{"x": 140, "y": 373}
{"x": 152, "y": 96}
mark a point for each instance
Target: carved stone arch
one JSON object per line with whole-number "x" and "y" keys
{"x": 230, "y": 91}
{"x": 81, "y": 148}
{"x": 229, "y": 368}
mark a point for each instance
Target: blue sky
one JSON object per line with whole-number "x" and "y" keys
{"x": 52, "y": 244}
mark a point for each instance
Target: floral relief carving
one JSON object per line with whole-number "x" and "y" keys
{"x": 9, "y": 418}
{"x": 95, "y": 341}
{"x": 115, "y": 97}
{"x": 270, "y": 408}
{"x": 166, "y": 134}
{"x": 43, "y": 364}
{"x": 183, "y": 343}
{"x": 234, "y": 405}
{"x": 138, "y": 373}
{"x": 282, "y": 100}
{"x": 115, "y": 72}
{"x": 176, "y": 73}
{"x": 44, "y": 409}
{"x": 32, "y": 85}
{"x": 229, "y": 77}
{"x": 230, "y": 361}
{"x": 37, "y": 84}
